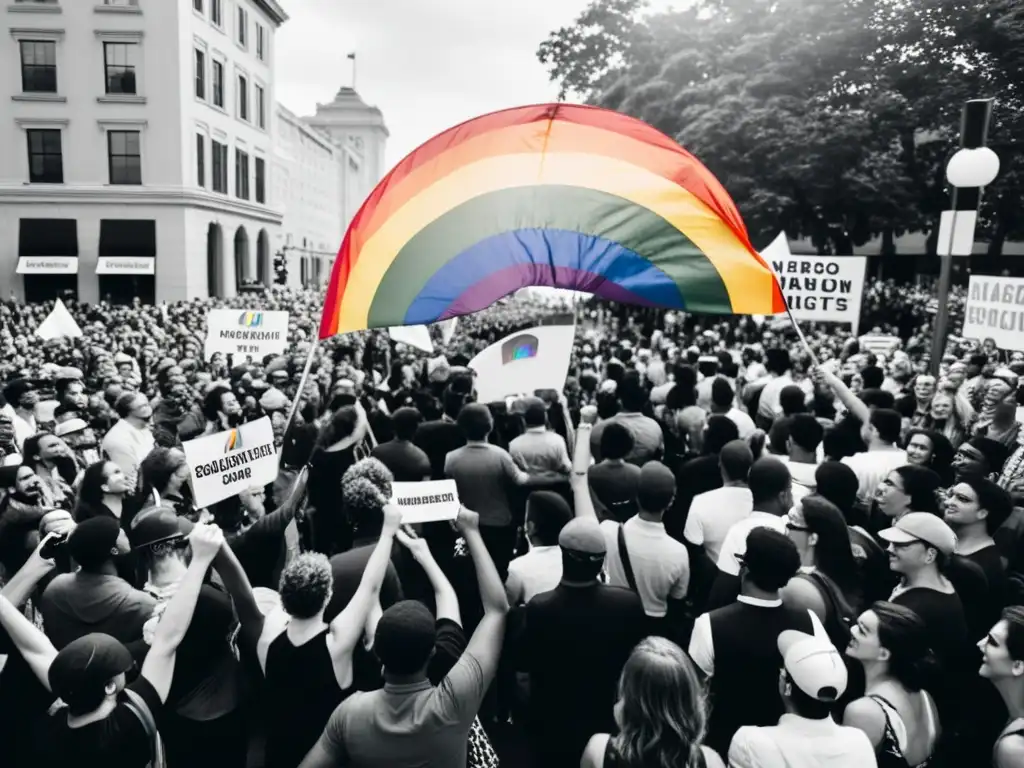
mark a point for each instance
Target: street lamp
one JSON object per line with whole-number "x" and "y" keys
{"x": 971, "y": 168}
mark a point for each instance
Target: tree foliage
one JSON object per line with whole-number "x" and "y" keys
{"x": 831, "y": 119}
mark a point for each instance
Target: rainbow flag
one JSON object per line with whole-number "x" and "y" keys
{"x": 554, "y": 195}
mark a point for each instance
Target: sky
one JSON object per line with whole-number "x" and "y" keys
{"x": 427, "y": 64}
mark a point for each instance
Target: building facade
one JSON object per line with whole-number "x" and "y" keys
{"x": 136, "y": 153}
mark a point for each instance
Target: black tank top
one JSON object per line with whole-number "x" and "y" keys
{"x": 301, "y": 692}
{"x": 612, "y": 759}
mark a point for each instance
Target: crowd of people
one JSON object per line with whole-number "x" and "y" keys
{"x": 713, "y": 547}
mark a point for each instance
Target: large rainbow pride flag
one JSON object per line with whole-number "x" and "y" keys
{"x": 557, "y": 195}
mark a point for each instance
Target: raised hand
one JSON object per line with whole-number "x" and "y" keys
{"x": 206, "y": 541}
{"x": 417, "y": 547}
{"x": 392, "y": 518}
{"x": 467, "y": 521}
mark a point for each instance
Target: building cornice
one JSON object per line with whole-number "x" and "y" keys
{"x": 31, "y": 194}
{"x": 273, "y": 10}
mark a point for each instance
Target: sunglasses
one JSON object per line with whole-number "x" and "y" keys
{"x": 795, "y": 527}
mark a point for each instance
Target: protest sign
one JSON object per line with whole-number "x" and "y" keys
{"x": 995, "y": 310}
{"x": 426, "y": 502}
{"x": 537, "y": 358}
{"x": 878, "y": 344}
{"x": 224, "y": 464}
{"x": 417, "y": 336}
{"x": 825, "y": 289}
{"x": 249, "y": 334}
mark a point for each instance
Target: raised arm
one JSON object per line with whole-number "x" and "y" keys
{"x": 232, "y": 574}
{"x": 349, "y": 625}
{"x": 34, "y": 646}
{"x": 485, "y": 644}
{"x": 854, "y": 404}
{"x": 578, "y": 480}
{"x": 158, "y": 668}
{"x": 445, "y": 599}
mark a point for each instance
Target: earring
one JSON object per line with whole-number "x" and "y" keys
{"x": 110, "y": 688}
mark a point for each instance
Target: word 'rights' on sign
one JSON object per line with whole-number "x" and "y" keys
{"x": 995, "y": 310}
{"x": 822, "y": 288}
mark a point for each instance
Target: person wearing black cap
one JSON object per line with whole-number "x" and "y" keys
{"x": 410, "y": 721}
{"x": 102, "y": 720}
{"x": 735, "y": 646}
{"x": 95, "y": 598}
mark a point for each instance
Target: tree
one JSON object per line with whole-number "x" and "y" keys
{"x": 831, "y": 119}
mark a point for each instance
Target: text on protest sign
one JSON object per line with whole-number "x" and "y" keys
{"x": 426, "y": 502}
{"x": 822, "y": 288}
{"x": 246, "y": 333}
{"x": 995, "y": 310}
{"x": 226, "y": 463}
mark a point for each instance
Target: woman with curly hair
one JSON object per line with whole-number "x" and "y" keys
{"x": 661, "y": 714}
{"x": 307, "y": 658}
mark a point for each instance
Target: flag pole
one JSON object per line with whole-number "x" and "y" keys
{"x": 800, "y": 334}
{"x": 302, "y": 388}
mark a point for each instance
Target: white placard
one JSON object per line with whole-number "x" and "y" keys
{"x": 417, "y": 336}
{"x": 879, "y": 344}
{"x": 821, "y": 288}
{"x": 995, "y": 310}
{"x": 426, "y": 502}
{"x": 226, "y": 463}
{"x": 537, "y": 358}
{"x": 47, "y": 265}
{"x": 248, "y": 333}
{"x": 126, "y": 265}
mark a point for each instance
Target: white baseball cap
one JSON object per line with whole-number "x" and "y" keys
{"x": 813, "y": 663}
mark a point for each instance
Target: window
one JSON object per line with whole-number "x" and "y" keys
{"x": 45, "y": 159}
{"x": 200, "y": 160}
{"x": 200, "y": 74}
{"x": 119, "y": 60}
{"x": 125, "y": 157}
{"x": 216, "y": 12}
{"x": 243, "y": 97}
{"x": 218, "y": 84}
{"x": 38, "y": 66}
{"x": 261, "y": 180}
{"x": 243, "y": 27}
{"x": 241, "y": 175}
{"x": 198, "y": 5}
{"x": 219, "y": 157}
{"x": 261, "y": 42}
{"x": 259, "y": 99}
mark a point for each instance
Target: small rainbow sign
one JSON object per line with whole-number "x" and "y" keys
{"x": 234, "y": 441}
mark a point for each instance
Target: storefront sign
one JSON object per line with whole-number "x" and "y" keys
{"x": 47, "y": 265}
{"x": 822, "y": 288}
{"x": 226, "y": 463}
{"x": 995, "y": 310}
{"x": 250, "y": 333}
{"x": 126, "y": 265}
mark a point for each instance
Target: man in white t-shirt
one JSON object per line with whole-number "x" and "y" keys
{"x": 713, "y": 513}
{"x": 881, "y": 435}
{"x": 540, "y": 569}
{"x": 805, "y": 435}
{"x": 660, "y": 565}
{"x": 812, "y": 680}
{"x": 723, "y": 401}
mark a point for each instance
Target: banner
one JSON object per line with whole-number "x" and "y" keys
{"x": 245, "y": 333}
{"x": 523, "y": 362}
{"x": 224, "y": 464}
{"x": 426, "y": 502}
{"x": 995, "y": 310}
{"x": 824, "y": 289}
{"x": 417, "y": 336}
{"x": 878, "y": 344}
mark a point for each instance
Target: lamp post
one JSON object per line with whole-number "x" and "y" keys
{"x": 971, "y": 168}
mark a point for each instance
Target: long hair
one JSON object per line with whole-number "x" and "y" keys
{"x": 833, "y": 554}
{"x": 663, "y": 714}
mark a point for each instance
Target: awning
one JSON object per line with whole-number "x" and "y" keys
{"x": 47, "y": 265}
{"x": 126, "y": 265}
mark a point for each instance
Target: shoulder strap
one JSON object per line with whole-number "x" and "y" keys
{"x": 141, "y": 710}
{"x": 624, "y": 557}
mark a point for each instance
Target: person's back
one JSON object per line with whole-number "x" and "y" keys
{"x": 440, "y": 437}
{"x": 297, "y": 674}
{"x": 407, "y": 462}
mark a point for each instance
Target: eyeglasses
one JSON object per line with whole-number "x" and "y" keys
{"x": 795, "y": 527}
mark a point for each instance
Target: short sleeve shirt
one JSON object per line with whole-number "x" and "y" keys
{"x": 117, "y": 741}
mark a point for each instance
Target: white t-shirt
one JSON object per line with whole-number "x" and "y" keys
{"x": 713, "y": 513}
{"x": 661, "y": 565}
{"x": 539, "y": 570}
{"x": 797, "y": 742}
{"x": 736, "y": 539}
{"x": 803, "y": 482}
{"x": 743, "y": 422}
{"x": 872, "y": 467}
